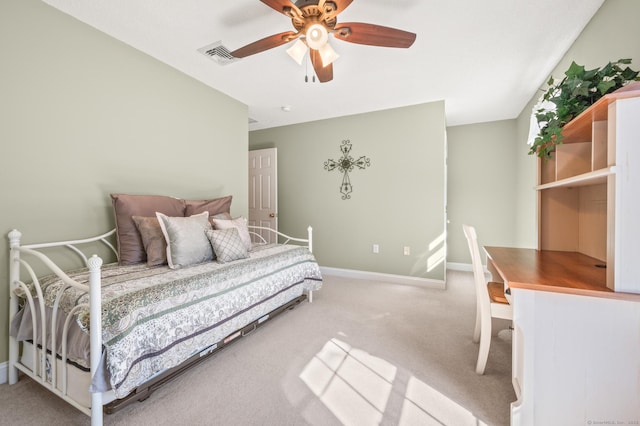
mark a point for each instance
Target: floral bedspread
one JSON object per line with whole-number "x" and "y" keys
{"x": 155, "y": 318}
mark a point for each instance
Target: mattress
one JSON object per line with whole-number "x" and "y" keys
{"x": 155, "y": 318}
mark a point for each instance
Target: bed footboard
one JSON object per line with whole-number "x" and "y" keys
{"x": 259, "y": 235}
{"x": 44, "y": 367}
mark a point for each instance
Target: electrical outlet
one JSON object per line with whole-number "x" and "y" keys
{"x": 376, "y": 248}
{"x": 407, "y": 250}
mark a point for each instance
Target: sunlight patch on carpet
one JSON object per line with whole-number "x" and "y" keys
{"x": 355, "y": 386}
{"x": 423, "y": 405}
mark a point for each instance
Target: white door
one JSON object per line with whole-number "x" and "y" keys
{"x": 263, "y": 190}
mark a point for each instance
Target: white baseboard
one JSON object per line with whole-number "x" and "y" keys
{"x": 4, "y": 369}
{"x": 390, "y": 278}
{"x": 466, "y": 267}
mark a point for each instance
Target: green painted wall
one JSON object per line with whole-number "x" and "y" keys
{"x": 481, "y": 188}
{"x": 84, "y": 115}
{"x": 613, "y": 33}
{"x": 398, "y": 201}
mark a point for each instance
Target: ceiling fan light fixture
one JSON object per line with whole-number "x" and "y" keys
{"x": 316, "y": 36}
{"x": 327, "y": 54}
{"x": 297, "y": 51}
{"x": 313, "y": 22}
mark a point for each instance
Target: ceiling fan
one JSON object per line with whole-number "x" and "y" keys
{"x": 313, "y": 21}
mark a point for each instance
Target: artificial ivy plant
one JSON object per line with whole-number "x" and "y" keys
{"x": 578, "y": 90}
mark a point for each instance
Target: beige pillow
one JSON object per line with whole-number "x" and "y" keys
{"x": 240, "y": 223}
{"x": 187, "y": 243}
{"x": 153, "y": 239}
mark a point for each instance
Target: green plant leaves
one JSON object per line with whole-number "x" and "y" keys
{"x": 574, "y": 70}
{"x": 605, "y": 86}
{"x": 578, "y": 90}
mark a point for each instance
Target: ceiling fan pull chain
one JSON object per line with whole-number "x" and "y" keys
{"x": 306, "y": 72}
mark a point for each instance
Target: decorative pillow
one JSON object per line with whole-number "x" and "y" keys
{"x": 153, "y": 239}
{"x": 240, "y": 223}
{"x": 130, "y": 246}
{"x": 187, "y": 243}
{"x": 225, "y": 215}
{"x": 214, "y": 206}
{"x": 227, "y": 244}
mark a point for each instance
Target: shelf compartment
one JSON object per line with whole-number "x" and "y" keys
{"x": 592, "y": 218}
{"x": 573, "y": 160}
{"x": 600, "y": 133}
{"x": 575, "y": 220}
{"x": 547, "y": 170}
{"x": 590, "y": 178}
{"x": 559, "y": 214}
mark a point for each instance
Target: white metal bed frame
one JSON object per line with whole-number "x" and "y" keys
{"x": 40, "y": 358}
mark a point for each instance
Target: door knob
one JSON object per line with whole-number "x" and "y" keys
{"x": 272, "y": 215}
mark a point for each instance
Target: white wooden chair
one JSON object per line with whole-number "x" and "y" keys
{"x": 491, "y": 301}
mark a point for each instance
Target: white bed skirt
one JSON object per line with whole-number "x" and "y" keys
{"x": 78, "y": 381}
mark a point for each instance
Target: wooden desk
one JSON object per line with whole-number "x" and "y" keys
{"x": 575, "y": 359}
{"x": 548, "y": 270}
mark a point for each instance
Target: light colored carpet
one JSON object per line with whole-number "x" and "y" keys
{"x": 362, "y": 353}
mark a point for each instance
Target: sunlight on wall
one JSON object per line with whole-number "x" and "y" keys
{"x": 432, "y": 257}
{"x": 437, "y": 246}
{"x": 355, "y": 386}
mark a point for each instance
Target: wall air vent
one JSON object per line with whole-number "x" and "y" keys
{"x": 218, "y": 53}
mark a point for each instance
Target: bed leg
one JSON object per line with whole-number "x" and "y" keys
{"x": 95, "y": 263}
{"x": 96, "y": 409}
{"x": 14, "y": 277}
{"x": 14, "y": 349}
{"x": 13, "y": 359}
{"x": 310, "y": 296}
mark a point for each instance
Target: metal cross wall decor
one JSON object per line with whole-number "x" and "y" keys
{"x": 345, "y": 165}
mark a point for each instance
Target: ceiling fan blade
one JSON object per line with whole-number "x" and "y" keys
{"x": 324, "y": 73}
{"x": 373, "y": 35}
{"x": 333, "y": 7}
{"x": 283, "y": 6}
{"x": 265, "y": 44}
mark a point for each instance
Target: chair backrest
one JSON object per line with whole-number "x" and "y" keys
{"x": 482, "y": 293}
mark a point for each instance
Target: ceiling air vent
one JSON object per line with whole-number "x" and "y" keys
{"x": 217, "y": 52}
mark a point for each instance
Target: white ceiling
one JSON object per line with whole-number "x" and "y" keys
{"x": 486, "y": 58}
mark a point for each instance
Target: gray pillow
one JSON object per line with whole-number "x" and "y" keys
{"x": 187, "y": 243}
{"x": 227, "y": 244}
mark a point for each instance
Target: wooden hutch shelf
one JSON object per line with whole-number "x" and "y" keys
{"x": 579, "y": 129}
{"x": 580, "y": 198}
{"x": 576, "y": 300}
{"x": 590, "y": 178}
